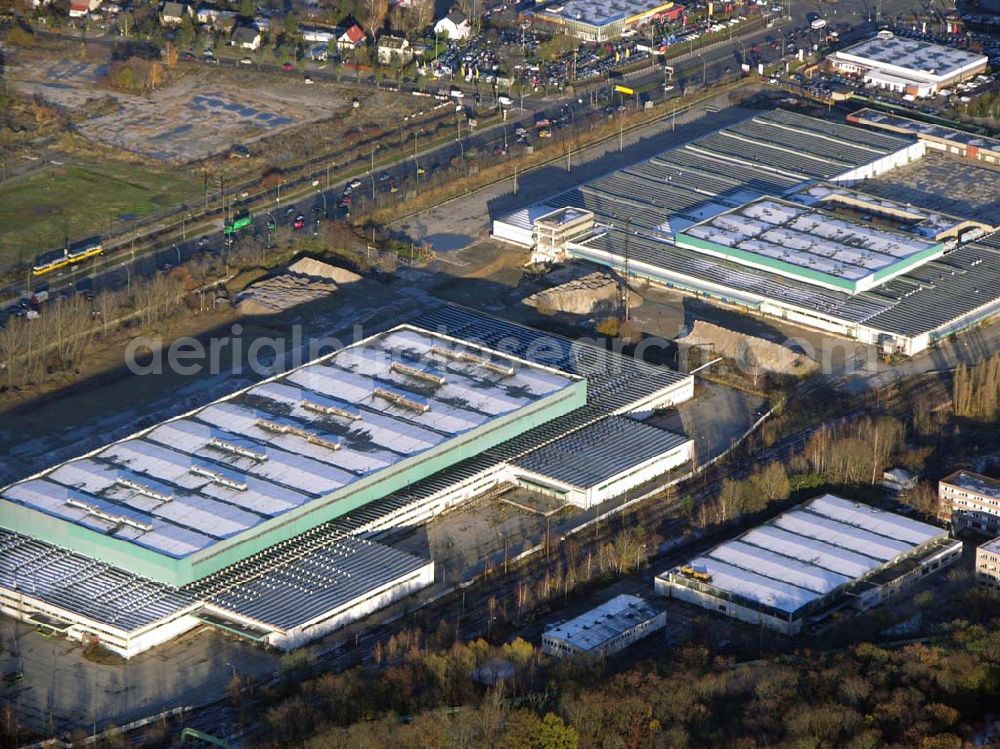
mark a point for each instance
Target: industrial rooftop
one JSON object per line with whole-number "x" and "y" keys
{"x": 315, "y": 573}
{"x": 907, "y": 126}
{"x": 766, "y": 154}
{"x": 598, "y": 13}
{"x": 289, "y": 443}
{"x": 973, "y": 482}
{"x": 905, "y": 217}
{"x": 808, "y": 552}
{"x": 595, "y": 628}
{"x": 598, "y": 452}
{"x": 913, "y": 54}
{"x": 808, "y": 243}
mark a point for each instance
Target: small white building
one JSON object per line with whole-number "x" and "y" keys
{"x": 316, "y": 34}
{"x": 605, "y": 630}
{"x": 247, "y": 37}
{"x": 454, "y": 26}
{"x": 898, "y": 479}
{"x": 173, "y": 13}
{"x": 988, "y": 563}
{"x": 393, "y": 50}
{"x": 352, "y": 38}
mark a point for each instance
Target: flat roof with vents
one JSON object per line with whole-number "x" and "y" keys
{"x": 593, "y": 630}
{"x": 912, "y": 58}
{"x": 199, "y": 492}
{"x": 602, "y": 13}
{"x": 810, "y": 244}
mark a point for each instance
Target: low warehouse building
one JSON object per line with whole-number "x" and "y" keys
{"x": 937, "y": 137}
{"x": 907, "y": 66}
{"x": 605, "y": 630}
{"x": 800, "y": 564}
{"x": 603, "y": 461}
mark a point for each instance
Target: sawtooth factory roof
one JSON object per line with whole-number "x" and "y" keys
{"x": 766, "y": 154}
{"x": 808, "y": 552}
{"x": 601, "y": 451}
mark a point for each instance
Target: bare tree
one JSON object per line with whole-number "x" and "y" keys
{"x": 107, "y": 304}
{"x": 749, "y": 363}
{"x": 12, "y": 344}
{"x": 373, "y": 14}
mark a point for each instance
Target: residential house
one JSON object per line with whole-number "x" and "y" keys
{"x": 352, "y": 38}
{"x": 172, "y": 14}
{"x": 318, "y": 34}
{"x": 247, "y": 37}
{"x": 206, "y": 14}
{"x": 393, "y": 50}
{"x": 80, "y": 8}
{"x": 225, "y": 22}
{"x": 455, "y": 25}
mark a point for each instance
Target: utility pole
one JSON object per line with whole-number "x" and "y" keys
{"x": 625, "y": 300}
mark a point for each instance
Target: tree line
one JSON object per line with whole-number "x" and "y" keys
{"x": 434, "y": 695}
{"x": 976, "y": 390}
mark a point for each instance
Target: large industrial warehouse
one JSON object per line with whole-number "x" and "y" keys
{"x": 770, "y": 215}
{"x": 826, "y": 552}
{"x": 256, "y": 513}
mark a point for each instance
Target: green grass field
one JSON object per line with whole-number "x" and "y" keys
{"x": 39, "y": 210}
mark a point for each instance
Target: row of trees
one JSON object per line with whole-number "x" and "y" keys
{"x": 977, "y": 390}
{"x": 56, "y": 342}
{"x": 856, "y": 452}
{"x": 861, "y": 697}
{"x": 738, "y": 497}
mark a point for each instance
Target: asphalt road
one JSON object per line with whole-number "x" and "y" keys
{"x": 703, "y": 66}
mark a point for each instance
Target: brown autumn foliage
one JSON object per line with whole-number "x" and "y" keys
{"x": 977, "y": 390}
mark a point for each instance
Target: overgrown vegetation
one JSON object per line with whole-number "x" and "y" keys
{"x": 977, "y": 390}
{"x": 932, "y": 696}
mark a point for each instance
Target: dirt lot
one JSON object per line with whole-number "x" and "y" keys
{"x": 202, "y": 111}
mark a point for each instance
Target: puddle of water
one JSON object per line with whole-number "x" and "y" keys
{"x": 449, "y": 242}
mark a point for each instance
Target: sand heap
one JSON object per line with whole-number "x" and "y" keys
{"x": 305, "y": 280}
{"x": 770, "y": 356}
{"x": 595, "y": 292}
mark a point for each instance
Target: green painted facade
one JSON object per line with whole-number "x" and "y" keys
{"x": 397, "y": 477}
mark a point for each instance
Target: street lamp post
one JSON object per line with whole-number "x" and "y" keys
{"x": 178, "y": 251}
{"x": 128, "y": 276}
